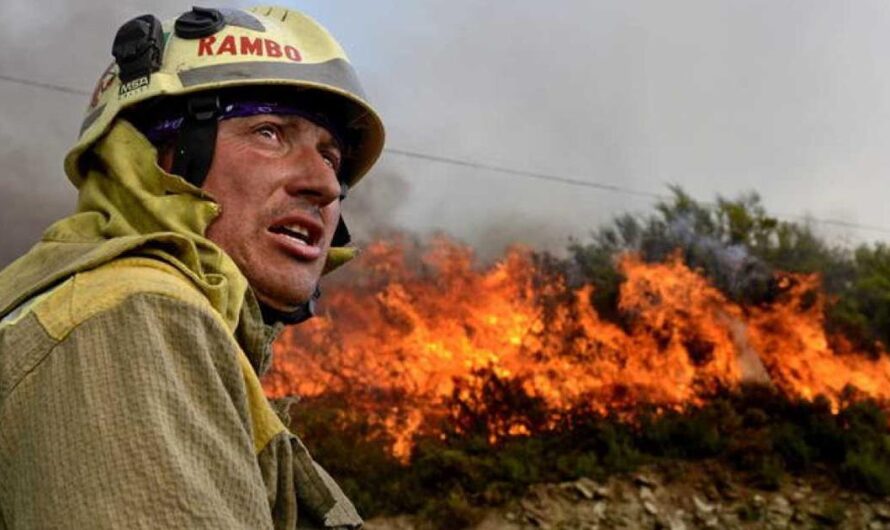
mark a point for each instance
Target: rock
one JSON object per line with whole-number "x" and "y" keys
{"x": 537, "y": 520}
{"x": 588, "y": 483}
{"x": 534, "y": 511}
{"x": 701, "y": 506}
{"x": 758, "y": 500}
{"x": 798, "y": 496}
{"x": 584, "y": 487}
{"x": 675, "y": 522}
{"x": 599, "y": 509}
{"x": 712, "y": 522}
{"x": 641, "y": 479}
{"x": 646, "y": 494}
{"x": 781, "y": 506}
{"x": 650, "y": 507}
{"x": 882, "y": 512}
{"x": 603, "y": 492}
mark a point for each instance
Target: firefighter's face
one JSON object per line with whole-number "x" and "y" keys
{"x": 275, "y": 178}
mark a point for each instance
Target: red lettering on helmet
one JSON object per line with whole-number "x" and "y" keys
{"x": 273, "y": 49}
{"x": 227, "y": 46}
{"x": 292, "y": 53}
{"x": 204, "y": 46}
{"x": 251, "y": 46}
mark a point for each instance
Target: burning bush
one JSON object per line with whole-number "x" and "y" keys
{"x": 701, "y": 331}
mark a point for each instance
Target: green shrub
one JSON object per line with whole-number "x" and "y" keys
{"x": 792, "y": 447}
{"x": 453, "y": 512}
{"x": 681, "y": 436}
{"x": 867, "y": 471}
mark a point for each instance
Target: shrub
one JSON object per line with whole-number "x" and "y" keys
{"x": 867, "y": 471}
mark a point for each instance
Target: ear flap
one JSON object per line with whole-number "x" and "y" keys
{"x": 338, "y": 256}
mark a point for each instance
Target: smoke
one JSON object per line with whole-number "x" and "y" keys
{"x": 717, "y": 96}
{"x": 731, "y": 266}
{"x": 386, "y": 202}
{"x": 371, "y": 209}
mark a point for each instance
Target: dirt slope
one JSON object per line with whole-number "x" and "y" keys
{"x": 679, "y": 496}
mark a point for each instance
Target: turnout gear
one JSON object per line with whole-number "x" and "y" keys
{"x": 130, "y": 349}
{"x": 131, "y": 344}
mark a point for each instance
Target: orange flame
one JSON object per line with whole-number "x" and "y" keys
{"x": 405, "y": 329}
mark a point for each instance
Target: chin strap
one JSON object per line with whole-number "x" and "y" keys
{"x": 197, "y": 139}
{"x": 301, "y": 314}
{"x": 342, "y": 237}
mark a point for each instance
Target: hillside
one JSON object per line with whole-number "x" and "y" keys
{"x": 736, "y": 362}
{"x": 675, "y": 496}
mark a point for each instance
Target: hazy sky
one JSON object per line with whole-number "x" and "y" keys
{"x": 788, "y": 98}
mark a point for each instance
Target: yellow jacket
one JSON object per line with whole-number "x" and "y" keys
{"x": 129, "y": 352}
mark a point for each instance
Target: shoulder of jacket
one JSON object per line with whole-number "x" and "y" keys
{"x": 91, "y": 292}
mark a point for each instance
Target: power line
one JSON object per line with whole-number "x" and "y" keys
{"x": 496, "y": 169}
{"x": 47, "y": 86}
{"x": 530, "y": 174}
{"x": 423, "y": 156}
{"x": 839, "y": 223}
{"x": 609, "y": 187}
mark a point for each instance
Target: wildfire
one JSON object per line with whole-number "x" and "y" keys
{"x": 410, "y": 330}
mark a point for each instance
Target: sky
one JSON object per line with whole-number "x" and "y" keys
{"x": 788, "y": 98}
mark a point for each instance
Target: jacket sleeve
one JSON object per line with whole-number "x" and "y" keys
{"x": 136, "y": 419}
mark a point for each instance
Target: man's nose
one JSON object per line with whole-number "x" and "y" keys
{"x": 312, "y": 178}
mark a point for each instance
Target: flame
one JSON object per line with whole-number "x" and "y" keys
{"x": 409, "y": 330}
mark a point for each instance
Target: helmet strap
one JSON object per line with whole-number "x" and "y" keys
{"x": 303, "y": 313}
{"x": 197, "y": 138}
{"x": 342, "y": 237}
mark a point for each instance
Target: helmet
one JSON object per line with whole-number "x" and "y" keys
{"x": 192, "y": 64}
{"x": 206, "y": 52}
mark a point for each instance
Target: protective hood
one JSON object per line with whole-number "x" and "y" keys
{"x": 129, "y": 205}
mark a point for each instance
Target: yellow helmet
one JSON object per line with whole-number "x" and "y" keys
{"x": 213, "y": 50}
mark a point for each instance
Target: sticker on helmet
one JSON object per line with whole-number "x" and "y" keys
{"x": 127, "y": 88}
{"x": 247, "y": 46}
{"x": 102, "y": 85}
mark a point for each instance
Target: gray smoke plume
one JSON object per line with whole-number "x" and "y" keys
{"x": 718, "y": 96}
{"x": 730, "y": 266}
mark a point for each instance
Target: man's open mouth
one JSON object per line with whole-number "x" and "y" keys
{"x": 297, "y": 232}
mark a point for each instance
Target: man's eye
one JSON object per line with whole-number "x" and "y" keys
{"x": 332, "y": 160}
{"x": 269, "y": 132}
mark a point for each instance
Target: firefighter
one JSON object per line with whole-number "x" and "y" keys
{"x": 210, "y": 168}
